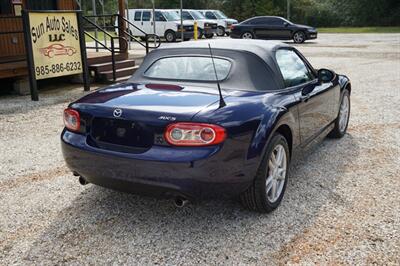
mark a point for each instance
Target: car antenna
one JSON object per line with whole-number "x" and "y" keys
{"x": 221, "y": 99}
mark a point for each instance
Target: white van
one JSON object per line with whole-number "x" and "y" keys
{"x": 167, "y": 24}
{"x": 207, "y": 27}
{"x": 224, "y": 23}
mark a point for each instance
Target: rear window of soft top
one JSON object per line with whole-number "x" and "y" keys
{"x": 191, "y": 68}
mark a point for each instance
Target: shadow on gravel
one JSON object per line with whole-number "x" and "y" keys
{"x": 102, "y": 225}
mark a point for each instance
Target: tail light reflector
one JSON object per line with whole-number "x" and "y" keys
{"x": 72, "y": 119}
{"x": 194, "y": 134}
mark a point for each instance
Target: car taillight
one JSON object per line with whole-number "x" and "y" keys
{"x": 194, "y": 134}
{"x": 72, "y": 120}
{"x": 232, "y": 27}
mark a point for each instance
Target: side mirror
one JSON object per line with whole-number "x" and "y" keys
{"x": 325, "y": 75}
{"x": 285, "y": 24}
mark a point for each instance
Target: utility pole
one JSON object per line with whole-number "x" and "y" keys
{"x": 95, "y": 22}
{"x": 154, "y": 22}
{"x": 288, "y": 9}
{"x": 122, "y": 25}
{"x": 181, "y": 21}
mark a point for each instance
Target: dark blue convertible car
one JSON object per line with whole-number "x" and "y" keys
{"x": 192, "y": 125}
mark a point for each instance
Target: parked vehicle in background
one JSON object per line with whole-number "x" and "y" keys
{"x": 224, "y": 23}
{"x": 276, "y": 28}
{"x": 167, "y": 24}
{"x": 205, "y": 26}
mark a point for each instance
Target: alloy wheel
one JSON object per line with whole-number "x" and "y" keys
{"x": 170, "y": 37}
{"x": 220, "y": 31}
{"x": 247, "y": 35}
{"x": 276, "y": 173}
{"x": 344, "y": 113}
{"x": 298, "y": 37}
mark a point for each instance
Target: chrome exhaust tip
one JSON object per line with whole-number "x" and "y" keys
{"x": 180, "y": 202}
{"x": 82, "y": 181}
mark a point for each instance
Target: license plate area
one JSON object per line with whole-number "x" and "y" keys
{"x": 119, "y": 133}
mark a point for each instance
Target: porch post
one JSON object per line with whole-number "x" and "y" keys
{"x": 122, "y": 26}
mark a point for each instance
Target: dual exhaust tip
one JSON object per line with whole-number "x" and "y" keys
{"x": 179, "y": 201}
{"x": 82, "y": 181}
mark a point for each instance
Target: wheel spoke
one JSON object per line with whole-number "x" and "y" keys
{"x": 281, "y": 173}
{"x": 273, "y": 159}
{"x": 273, "y": 190}
{"x": 278, "y": 155}
{"x": 271, "y": 165}
{"x": 268, "y": 183}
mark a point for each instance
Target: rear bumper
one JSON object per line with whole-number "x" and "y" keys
{"x": 195, "y": 173}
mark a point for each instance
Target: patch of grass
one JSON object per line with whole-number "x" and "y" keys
{"x": 360, "y": 30}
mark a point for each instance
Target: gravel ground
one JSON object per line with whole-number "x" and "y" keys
{"x": 341, "y": 205}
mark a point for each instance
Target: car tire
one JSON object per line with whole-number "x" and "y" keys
{"x": 228, "y": 34}
{"x": 209, "y": 36}
{"x": 247, "y": 35}
{"x": 220, "y": 31}
{"x": 342, "y": 121}
{"x": 268, "y": 188}
{"x": 299, "y": 37}
{"x": 170, "y": 36}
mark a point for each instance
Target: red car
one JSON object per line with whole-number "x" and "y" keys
{"x": 58, "y": 49}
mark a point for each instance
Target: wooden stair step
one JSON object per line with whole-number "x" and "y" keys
{"x": 102, "y": 67}
{"x": 106, "y": 58}
{"x": 119, "y": 73}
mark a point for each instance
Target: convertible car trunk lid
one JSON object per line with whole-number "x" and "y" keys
{"x": 132, "y": 119}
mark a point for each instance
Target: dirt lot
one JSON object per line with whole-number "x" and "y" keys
{"x": 341, "y": 206}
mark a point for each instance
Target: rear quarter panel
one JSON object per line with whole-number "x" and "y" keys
{"x": 251, "y": 121}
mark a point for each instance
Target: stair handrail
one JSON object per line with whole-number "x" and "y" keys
{"x": 147, "y": 35}
{"x": 112, "y": 38}
{"x": 128, "y": 33}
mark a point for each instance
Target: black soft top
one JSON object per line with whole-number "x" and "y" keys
{"x": 254, "y": 65}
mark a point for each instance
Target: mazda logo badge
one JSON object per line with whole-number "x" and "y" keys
{"x": 117, "y": 112}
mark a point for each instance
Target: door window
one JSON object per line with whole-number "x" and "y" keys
{"x": 159, "y": 16}
{"x": 146, "y": 16}
{"x": 186, "y": 15}
{"x": 210, "y": 15}
{"x": 294, "y": 70}
{"x": 138, "y": 15}
{"x": 260, "y": 21}
{"x": 276, "y": 21}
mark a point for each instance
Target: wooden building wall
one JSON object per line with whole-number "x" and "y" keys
{"x": 12, "y": 41}
{"x": 66, "y": 5}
